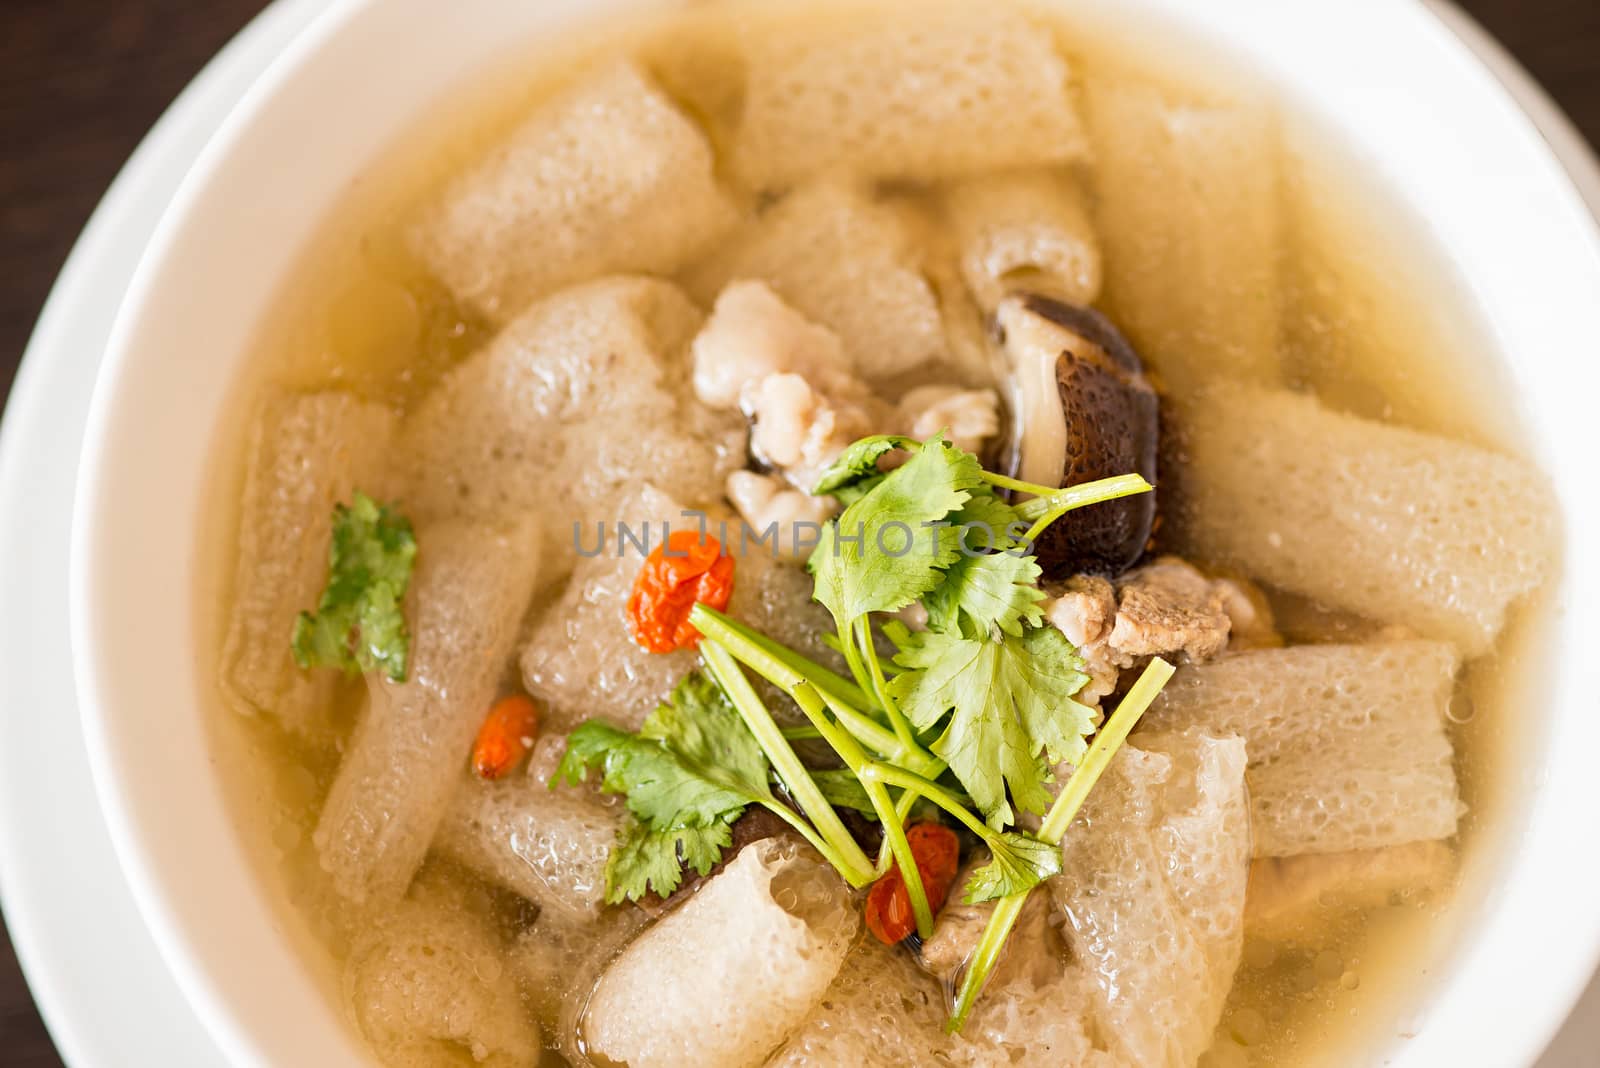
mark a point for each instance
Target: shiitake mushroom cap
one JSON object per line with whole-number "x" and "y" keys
{"x": 1113, "y": 427}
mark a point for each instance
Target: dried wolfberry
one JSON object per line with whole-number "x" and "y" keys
{"x": 506, "y": 737}
{"x": 687, "y": 568}
{"x": 937, "y": 852}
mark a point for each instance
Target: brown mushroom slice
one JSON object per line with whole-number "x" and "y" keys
{"x": 1082, "y": 410}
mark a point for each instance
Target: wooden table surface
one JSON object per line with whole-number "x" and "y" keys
{"x": 82, "y": 80}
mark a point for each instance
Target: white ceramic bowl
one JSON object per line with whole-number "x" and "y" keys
{"x": 1386, "y": 77}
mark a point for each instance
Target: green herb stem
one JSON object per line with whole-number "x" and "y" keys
{"x": 902, "y": 811}
{"x": 810, "y": 834}
{"x": 1057, "y": 820}
{"x": 916, "y": 785}
{"x": 826, "y": 680}
{"x": 1056, "y": 503}
{"x": 852, "y": 657}
{"x": 755, "y": 655}
{"x": 805, "y": 695}
{"x": 830, "y": 683}
{"x": 843, "y": 852}
{"x": 862, "y": 631}
{"x": 1005, "y": 482}
{"x": 1102, "y": 749}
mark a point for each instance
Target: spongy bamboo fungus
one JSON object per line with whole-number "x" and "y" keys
{"x": 1347, "y": 743}
{"x": 609, "y": 176}
{"x": 1389, "y": 523}
{"x": 308, "y": 452}
{"x": 548, "y": 844}
{"x": 722, "y": 980}
{"x": 938, "y": 95}
{"x": 472, "y": 585}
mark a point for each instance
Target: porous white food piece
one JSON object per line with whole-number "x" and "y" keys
{"x": 608, "y": 176}
{"x": 1380, "y": 520}
{"x": 883, "y": 1011}
{"x": 935, "y": 96}
{"x": 1153, "y": 891}
{"x": 573, "y": 405}
{"x": 1347, "y": 743}
{"x": 880, "y": 1010}
{"x": 845, "y": 260}
{"x": 580, "y": 657}
{"x": 307, "y": 452}
{"x": 473, "y": 582}
{"x": 723, "y": 979}
{"x": 548, "y": 843}
{"x": 1026, "y": 229}
{"x": 1189, "y": 226}
{"x": 1291, "y": 899}
{"x": 429, "y": 975}
{"x": 1044, "y": 1016}
{"x": 558, "y": 961}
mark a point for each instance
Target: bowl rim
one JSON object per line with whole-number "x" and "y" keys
{"x": 115, "y": 781}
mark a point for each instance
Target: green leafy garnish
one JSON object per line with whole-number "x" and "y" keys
{"x": 985, "y": 695}
{"x": 1015, "y": 870}
{"x": 1009, "y": 702}
{"x": 690, "y": 772}
{"x": 645, "y": 859}
{"x": 995, "y": 524}
{"x": 859, "y": 463}
{"x": 359, "y": 624}
{"x": 987, "y": 592}
{"x": 883, "y": 552}
{"x": 843, "y": 790}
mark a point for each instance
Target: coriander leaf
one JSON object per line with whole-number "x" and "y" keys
{"x": 842, "y": 789}
{"x": 901, "y": 635}
{"x": 700, "y": 725}
{"x": 588, "y": 745}
{"x": 693, "y": 764}
{"x": 881, "y": 554}
{"x": 986, "y": 592}
{"x": 848, "y": 495}
{"x": 1045, "y": 673}
{"x": 990, "y": 521}
{"x": 1009, "y": 702}
{"x": 644, "y": 859}
{"x": 359, "y": 624}
{"x": 1020, "y": 863}
{"x": 859, "y": 462}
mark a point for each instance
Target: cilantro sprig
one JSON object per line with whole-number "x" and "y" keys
{"x": 359, "y": 624}
{"x": 688, "y": 774}
{"x": 967, "y": 717}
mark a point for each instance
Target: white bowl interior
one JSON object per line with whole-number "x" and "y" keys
{"x": 1446, "y": 141}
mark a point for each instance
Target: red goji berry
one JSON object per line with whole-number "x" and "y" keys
{"x": 506, "y": 737}
{"x": 937, "y": 852}
{"x": 686, "y": 569}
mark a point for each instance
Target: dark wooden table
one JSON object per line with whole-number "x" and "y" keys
{"x": 82, "y": 80}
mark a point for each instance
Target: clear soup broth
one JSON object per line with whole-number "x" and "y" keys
{"x": 1266, "y": 286}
